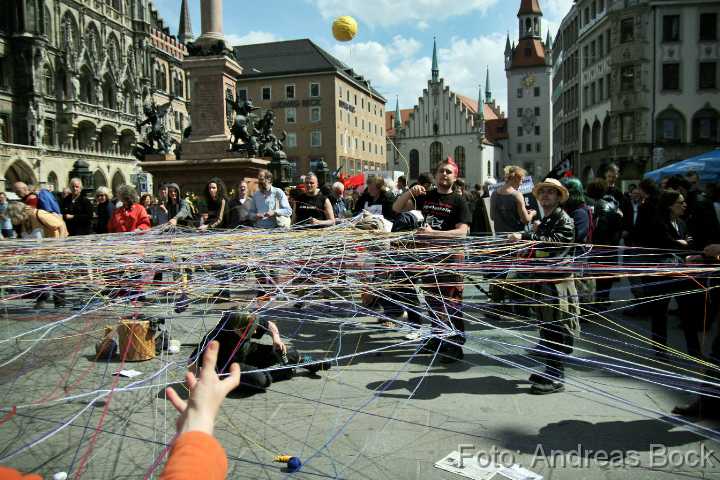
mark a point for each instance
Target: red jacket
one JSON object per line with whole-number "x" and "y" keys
{"x": 124, "y": 220}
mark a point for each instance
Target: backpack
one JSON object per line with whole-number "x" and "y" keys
{"x": 47, "y": 201}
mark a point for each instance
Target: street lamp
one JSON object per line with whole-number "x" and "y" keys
{"x": 280, "y": 169}
{"x": 321, "y": 172}
{"x": 81, "y": 170}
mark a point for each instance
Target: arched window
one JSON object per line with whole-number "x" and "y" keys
{"x": 705, "y": 126}
{"x": 87, "y": 86}
{"x": 48, "y": 81}
{"x": 670, "y": 126}
{"x": 129, "y": 98}
{"x": 109, "y": 97}
{"x": 93, "y": 41}
{"x": 113, "y": 51}
{"x": 414, "y": 163}
{"x": 436, "y": 153}
{"x": 528, "y": 26}
{"x": 459, "y": 158}
{"x": 586, "y": 138}
{"x": 118, "y": 181}
{"x": 69, "y": 32}
{"x": 596, "y": 135}
{"x": 99, "y": 179}
{"x": 47, "y": 23}
{"x": 52, "y": 181}
{"x": 606, "y": 132}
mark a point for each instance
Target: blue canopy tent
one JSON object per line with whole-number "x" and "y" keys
{"x": 707, "y": 165}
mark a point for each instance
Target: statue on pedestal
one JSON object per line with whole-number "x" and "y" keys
{"x": 155, "y": 117}
{"x": 243, "y": 135}
{"x": 268, "y": 141}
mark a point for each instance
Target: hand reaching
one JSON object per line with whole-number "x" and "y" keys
{"x": 207, "y": 393}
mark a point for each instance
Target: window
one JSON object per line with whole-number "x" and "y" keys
{"x": 266, "y": 93}
{"x": 627, "y": 78}
{"x": 519, "y": 131}
{"x": 356, "y": 121}
{"x": 705, "y": 126}
{"x": 537, "y": 111}
{"x": 608, "y": 40}
{"x": 291, "y": 140}
{"x": 586, "y": 96}
{"x": 708, "y": 27}
{"x": 290, "y": 115}
{"x": 519, "y": 93}
{"x": 436, "y": 153}
{"x": 601, "y": 89}
{"x": 363, "y": 145}
{"x": 356, "y": 144}
{"x": 316, "y": 138}
{"x": 314, "y": 89}
{"x": 671, "y": 28}
{"x": 537, "y": 91}
{"x": 362, "y": 102}
{"x": 592, "y": 94}
{"x": 537, "y": 129}
{"x": 459, "y": 158}
{"x": 538, "y": 148}
{"x": 627, "y": 127}
{"x": 242, "y": 94}
{"x": 627, "y": 30}
{"x": 593, "y": 57}
{"x": 671, "y": 76}
{"x": 520, "y": 112}
{"x": 600, "y": 46}
{"x": 670, "y": 127}
{"x": 519, "y": 148}
{"x": 586, "y": 55}
{"x": 708, "y": 75}
{"x": 362, "y": 123}
{"x": 414, "y": 163}
{"x": 528, "y": 148}
{"x": 315, "y": 114}
{"x": 355, "y": 100}
{"x": 289, "y": 92}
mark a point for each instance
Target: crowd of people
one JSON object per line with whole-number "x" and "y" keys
{"x": 649, "y": 224}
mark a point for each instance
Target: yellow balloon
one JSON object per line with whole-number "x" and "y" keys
{"x": 344, "y": 28}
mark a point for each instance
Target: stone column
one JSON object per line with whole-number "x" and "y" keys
{"x": 211, "y": 22}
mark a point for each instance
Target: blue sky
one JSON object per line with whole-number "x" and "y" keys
{"x": 393, "y": 47}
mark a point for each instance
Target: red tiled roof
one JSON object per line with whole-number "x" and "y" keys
{"x": 529, "y": 7}
{"x": 529, "y": 52}
{"x": 390, "y": 120}
{"x": 471, "y": 105}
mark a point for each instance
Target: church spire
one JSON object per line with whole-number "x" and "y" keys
{"x": 398, "y": 119}
{"x": 185, "y": 29}
{"x": 548, "y": 40}
{"x": 435, "y": 69}
{"x": 488, "y": 92}
{"x": 507, "y": 45}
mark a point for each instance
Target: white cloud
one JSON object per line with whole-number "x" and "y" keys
{"x": 399, "y": 68}
{"x": 422, "y": 25}
{"x": 251, "y": 37}
{"x": 394, "y": 12}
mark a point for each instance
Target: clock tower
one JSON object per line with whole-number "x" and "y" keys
{"x": 528, "y": 68}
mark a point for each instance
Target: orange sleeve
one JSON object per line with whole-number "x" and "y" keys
{"x": 196, "y": 455}
{"x": 12, "y": 474}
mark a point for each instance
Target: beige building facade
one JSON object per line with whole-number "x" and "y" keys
{"x": 329, "y": 113}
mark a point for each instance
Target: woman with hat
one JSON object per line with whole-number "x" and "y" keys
{"x": 556, "y": 298}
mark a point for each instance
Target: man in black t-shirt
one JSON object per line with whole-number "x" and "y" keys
{"x": 312, "y": 207}
{"x": 447, "y": 218}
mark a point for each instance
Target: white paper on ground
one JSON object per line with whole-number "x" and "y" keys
{"x": 471, "y": 469}
{"x": 128, "y": 373}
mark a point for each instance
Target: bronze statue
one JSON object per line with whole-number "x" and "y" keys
{"x": 243, "y": 136}
{"x": 155, "y": 117}
{"x": 268, "y": 141}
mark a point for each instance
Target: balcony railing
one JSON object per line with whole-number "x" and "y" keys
{"x": 99, "y": 112}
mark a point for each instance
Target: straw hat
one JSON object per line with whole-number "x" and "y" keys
{"x": 552, "y": 183}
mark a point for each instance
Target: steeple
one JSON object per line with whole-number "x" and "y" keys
{"x": 507, "y": 45}
{"x": 529, "y": 19}
{"x": 435, "y": 69}
{"x": 398, "y": 119}
{"x": 480, "y": 116}
{"x": 185, "y": 29}
{"x": 488, "y": 93}
{"x": 548, "y": 41}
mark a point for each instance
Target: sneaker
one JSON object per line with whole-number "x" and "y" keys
{"x": 430, "y": 347}
{"x": 415, "y": 334}
{"x": 546, "y": 387}
{"x": 314, "y": 367}
{"x": 536, "y": 378}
